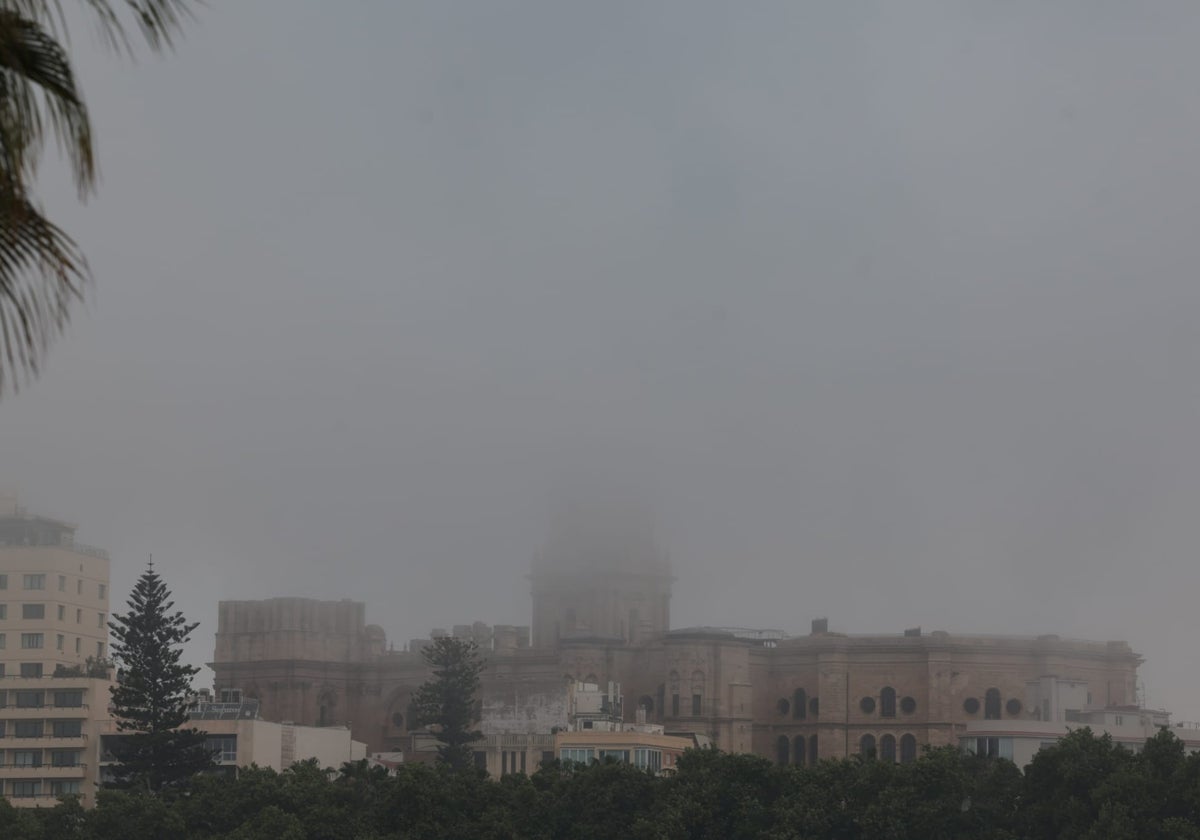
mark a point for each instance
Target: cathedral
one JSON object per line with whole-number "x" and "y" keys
{"x": 601, "y": 592}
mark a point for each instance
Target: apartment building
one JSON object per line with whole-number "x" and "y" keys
{"x": 54, "y": 673}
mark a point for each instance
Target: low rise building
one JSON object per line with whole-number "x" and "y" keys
{"x": 240, "y": 738}
{"x": 1060, "y": 706}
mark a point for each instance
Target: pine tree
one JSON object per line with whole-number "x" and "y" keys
{"x": 448, "y": 701}
{"x": 150, "y": 699}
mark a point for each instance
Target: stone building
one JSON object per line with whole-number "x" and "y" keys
{"x": 601, "y": 613}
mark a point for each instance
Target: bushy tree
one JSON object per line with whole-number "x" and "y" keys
{"x": 155, "y": 751}
{"x": 447, "y": 702}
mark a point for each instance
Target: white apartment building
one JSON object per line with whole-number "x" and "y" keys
{"x": 54, "y": 677}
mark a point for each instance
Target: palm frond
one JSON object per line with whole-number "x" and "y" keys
{"x": 42, "y": 272}
{"x": 36, "y": 78}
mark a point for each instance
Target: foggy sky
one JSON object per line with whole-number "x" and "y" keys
{"x": 890, "y": 308}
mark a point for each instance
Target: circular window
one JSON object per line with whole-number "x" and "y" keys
{"x": 971, "y": 705}
{"x": 397, "y": 720}
{"x": 1013, "y": 707}
{"x": 908, "y": 705}
{"x": 867, "y": 704}
{"x": 783, "y": 705}
{"x": 814, "y": 707}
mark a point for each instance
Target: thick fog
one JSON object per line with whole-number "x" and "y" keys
{"x": 889, "y": 309}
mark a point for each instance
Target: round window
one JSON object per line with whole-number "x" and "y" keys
{"x": 908, "y": 705}
{"x": 971, "y": 705}
{"x": 867, "y": 704}
{"x": 1013, "y": 707}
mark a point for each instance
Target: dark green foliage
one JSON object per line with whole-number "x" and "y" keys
{"x": 447, "y": 703}
{"x": 1084, "y": 787}
{"x": 150, "y": 700}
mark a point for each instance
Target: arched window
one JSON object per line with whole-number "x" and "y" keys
{"x": 782, "y": 747}
{"x": 908, "y": 749}
{"x": 887, "y": 702}
{"x": 991, "y": 704}
{"x": 887, "y": 748}
{"x": 783, "y": 705}
{"x": 799, "y": 704}
{"x": 646, "y": 702}
{"x": 814, "y": 707}
{"x": 697, "y": 693}
{"x": 812, "y": 750}
{"x": 673, "y": 683}
{"x": 866, "y": 746}
{"x": 798, "y": 753}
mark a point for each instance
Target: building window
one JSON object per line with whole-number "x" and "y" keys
{"x": 579, "y": 755}
{"x": 887, "y": 748}
{"x": 991, "y": 704}
{"x": 34, "y": 611}
{"x": 31, "y": 669}
{"x": 646, "y": 704}
{"x": 799, "y": 704}
{"x": 697, "y": 703}
{"x": 908, "y": 749}
{"x": 30, "y": 699}
{"x": 799, "y": 751}
{"x": 867, "y": 704}
{"x": 62, "y": 583}
{"x": 64, "y": 787}
{"x": 103, "y": 591}
{"x": 647, "y": 759}
{"x": 64, "y": 758}
{"x": 971, "y": 706}
{"x": 99, "y": 650}
{"x": 697, "y": 693}
{"x": 32, "y": 641}
{"x": 397, "y": 720}
{"x": 783, "y": 748}
{"x": 79, "y": 616}
{"x": 68, "y": 728}
{"x": 224, "y": 747}
{"x": 58, "y": 641}
{"x": 26, "y": 758}
{"x": 79, "y": 587}
{"x": 674, "y": 705}
{"x": 68, "y": 699}
{"x": 77, "y": 644}
{"x": 3, "y": 641}
{"x": 908, "y": 705}
{"x": 26, "y": 788}
{"x": 616, "y": 755}
{"x": 3, "y": 581}
{"x": 3, "y": 611}
{"x": 62, "y": 613}
{"x": 814, "y": 706}
{"x": 887, "y": 702}
{"x": 812, "y": 750}
{"x": 100, "y": 621}
{"x": 1013, "y": 707}
{"x": 27, "y": 728}
{"x": 866, "y": 746}
{"x": 990, "y": 747}
{"x": 35, "y": 581}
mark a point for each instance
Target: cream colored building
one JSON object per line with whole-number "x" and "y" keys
{"x": 54, "y": 685}
{"x": 240, "y": 738}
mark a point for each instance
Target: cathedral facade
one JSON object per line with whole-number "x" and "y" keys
{"x": 601, "y": 613}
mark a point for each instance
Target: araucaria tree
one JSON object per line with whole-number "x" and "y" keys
{"x": 156, "y": 752}
{"x": 448, "y": 703}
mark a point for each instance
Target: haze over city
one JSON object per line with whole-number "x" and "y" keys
{"x": 886, "y": 310}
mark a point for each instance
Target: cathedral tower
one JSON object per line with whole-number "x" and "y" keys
{"x": 601, "y": 575}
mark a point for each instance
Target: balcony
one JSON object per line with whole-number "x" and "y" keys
{"x": 43, "y": 771}
{"x": 47, "y": 711}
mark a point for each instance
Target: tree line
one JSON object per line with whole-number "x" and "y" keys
{"x": 1082, "y": 787}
